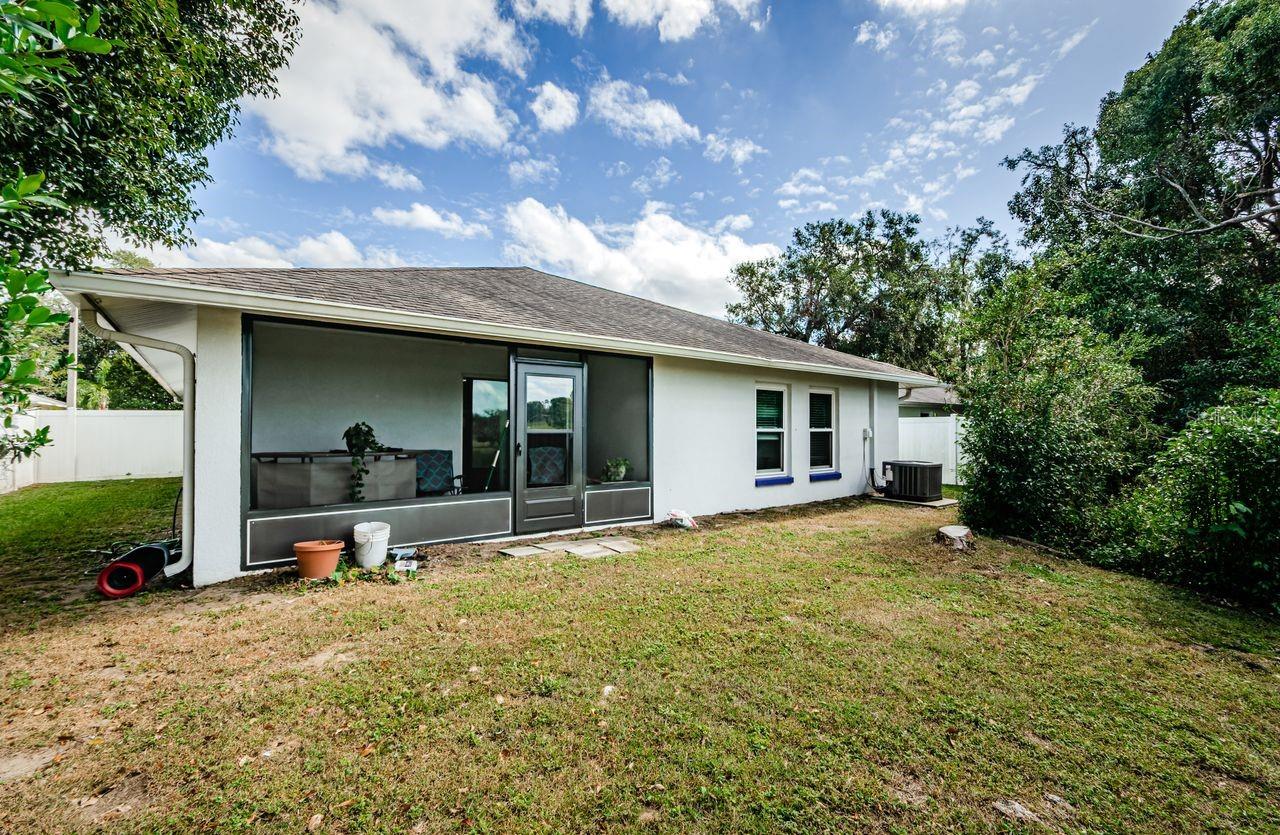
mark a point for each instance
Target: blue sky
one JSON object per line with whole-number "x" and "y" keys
{"x": 646, "y": 145}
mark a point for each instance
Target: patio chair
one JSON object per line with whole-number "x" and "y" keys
{"x": 546, "y": 466}
{"x": 435, "y": 474}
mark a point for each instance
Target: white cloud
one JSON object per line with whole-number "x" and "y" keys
{"x": 985, "y": 58}
{"x": 677, "y": 80}
{"x": 1075, "y": 39}
{"x": 994, "y": 130}
{"x": 533, "y": 170}
{"x": 963, "y": 92}
{"x": 332, "y": 248}
{"x": 804, "y": 182}
{"x": 680, "y": 19}
{"x": 879, "y": 38}
{"x": 397, "y": 177}
{"x": 617, "y": 169}
{"x": 1009, "y": 70}
{"x": 424, "y": 217}
{"x": 948, "y": 43}
{"x": 365, "y": 75}
{"x": 573, "y": 14}
{"x": 555, "y": 108}
{"x": 923, "y": 7}
{"x": 733, "y": 223}
{"x": 813, "y": 207}
{"x": 328, "y": 249}
{"x": 739, "y": 151}
{"x": 1017, "y": 94}
{"x": 657, "y": 174}
{"x": 656, "y": 256}
{"x": 628, "y": 111}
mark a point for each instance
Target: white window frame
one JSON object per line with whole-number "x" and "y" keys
{"x": 834, "y": 394}
{"x": 786, "y": 420}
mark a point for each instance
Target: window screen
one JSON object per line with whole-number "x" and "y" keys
{"x": 770, "y": 430}
{"x": 822, "y": 439}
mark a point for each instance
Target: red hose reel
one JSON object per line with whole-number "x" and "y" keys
{"x": 128, "y": 574}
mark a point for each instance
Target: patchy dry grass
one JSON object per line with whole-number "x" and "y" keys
{"x": 821, "y": 669}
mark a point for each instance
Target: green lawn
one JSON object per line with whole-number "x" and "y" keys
{"x": 45, "y": 530}
{"x": 822, "y": 669}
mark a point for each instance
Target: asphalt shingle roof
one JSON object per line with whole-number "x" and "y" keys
{"x": 516, "y": 296}
{"x": 930, "y": 396}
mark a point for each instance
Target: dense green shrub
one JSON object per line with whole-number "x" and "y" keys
{"x": 1207, "y": 513}
{"x": 1056, "y": 418}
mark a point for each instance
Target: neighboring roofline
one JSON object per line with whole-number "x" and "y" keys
{"x": 133, "y": 286}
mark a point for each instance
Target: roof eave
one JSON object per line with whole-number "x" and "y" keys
{"x": 132, "y": 286}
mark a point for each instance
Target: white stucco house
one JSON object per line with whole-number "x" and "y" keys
{"x": 505, "y": 398}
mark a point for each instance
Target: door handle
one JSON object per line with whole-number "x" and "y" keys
{"x": 519, "y": 448}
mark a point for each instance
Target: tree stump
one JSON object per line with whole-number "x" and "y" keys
{"x": 957, "y": 537}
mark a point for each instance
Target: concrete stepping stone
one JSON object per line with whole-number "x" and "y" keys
{"x": 522, "y": 551}
{"x": 590, "y": 548}
{"x": 557, "y": 547}
{"x": 621, "y": 546}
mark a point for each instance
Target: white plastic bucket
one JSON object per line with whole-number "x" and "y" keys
{"x": 371, "y": 543}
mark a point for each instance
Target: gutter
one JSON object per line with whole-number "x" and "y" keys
{"x": 138, "y": 287}
{"x": 90, "y": 324}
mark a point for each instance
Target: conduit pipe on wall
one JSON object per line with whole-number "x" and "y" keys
{"x": 90, "y": 324}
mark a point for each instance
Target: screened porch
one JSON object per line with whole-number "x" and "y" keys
{"x": 455, "y": 439}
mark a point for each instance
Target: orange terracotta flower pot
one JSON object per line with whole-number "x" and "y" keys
{"x": 317, "y": 558}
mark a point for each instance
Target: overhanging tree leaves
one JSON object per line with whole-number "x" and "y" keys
{"x": 125, "y": 143}
{"x": 35, "y": 40}
{"x": 1191, "y": 143}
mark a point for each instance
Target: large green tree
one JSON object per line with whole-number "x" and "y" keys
{"x": 1168, "y": 210}
{"x": 124, "y": 140}
{"x": 865, "y": 286}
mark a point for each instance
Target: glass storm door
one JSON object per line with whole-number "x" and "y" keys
{"x": 549, "y": 447}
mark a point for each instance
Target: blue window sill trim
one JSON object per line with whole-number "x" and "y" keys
{"x": 829, "y": 475}
{"x": 772, "y": 480}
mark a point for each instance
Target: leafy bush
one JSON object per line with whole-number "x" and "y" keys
{"x": 1207, "y": 512}
{"x": 1056, "y": 417}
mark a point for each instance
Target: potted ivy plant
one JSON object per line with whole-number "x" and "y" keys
{"x": 615, "y": 469}
{"x": 360, "y": 441}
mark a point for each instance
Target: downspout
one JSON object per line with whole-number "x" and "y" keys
{"x": 90, "y": 324}
{"x": 871, "y": 425}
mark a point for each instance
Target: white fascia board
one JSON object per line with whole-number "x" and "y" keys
{"x": 149, "y": 288}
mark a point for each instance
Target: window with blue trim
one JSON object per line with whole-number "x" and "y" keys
{"x": 771, "y": 429}
{"x": 822, "y": 432}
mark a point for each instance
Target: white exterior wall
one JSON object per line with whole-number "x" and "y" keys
{"x": 704, "y": 439}
{"x": 705, "y": 436}
{"x": 218, "y": 452}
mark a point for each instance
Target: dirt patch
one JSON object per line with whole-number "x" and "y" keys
{"x": 121, "y": 801}
{"x": 23, "y": 764}
{"x": 338, "y": 655}
{"x": 909, "y": 791}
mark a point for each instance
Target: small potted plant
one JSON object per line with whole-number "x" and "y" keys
{"x": 360, "y": 442}
{"x": 615, "y": 469}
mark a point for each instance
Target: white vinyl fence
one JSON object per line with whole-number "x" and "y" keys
{"x": 89, "y": 445}
{"x": 934, "y": 439}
